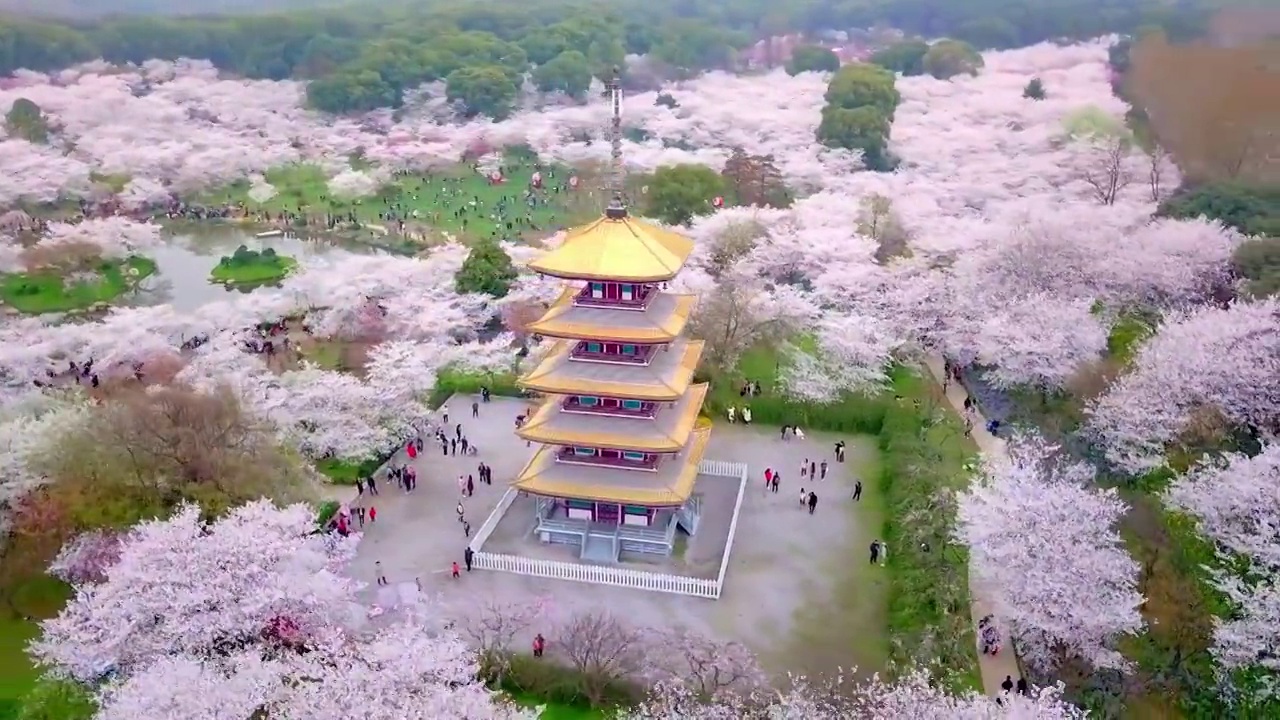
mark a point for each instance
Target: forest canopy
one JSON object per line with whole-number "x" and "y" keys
{"x": 695, "y": 35}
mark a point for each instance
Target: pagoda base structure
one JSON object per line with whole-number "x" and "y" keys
{"x": 605, "y": 503}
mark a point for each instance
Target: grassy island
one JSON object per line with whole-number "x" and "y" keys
{"x": 54, "y": 290}
{"x": 250, "y": 267}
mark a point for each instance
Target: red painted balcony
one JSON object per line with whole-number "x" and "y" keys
{"x": 608, "y": 458}
{"x": 609, "y": 406}
{"x": 625, "y": 296}
{"x": 594, "y": 351}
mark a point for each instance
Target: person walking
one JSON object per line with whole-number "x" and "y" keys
{"x": 454, "y": 567}
{"x": 822, "y": 468}
{"x": 475, "y": 409}
{"x": 746, "y": 415}
{"x": 768, "y": 478}
{"x": 373, "y": 514}
{"x": 804, "y": 498}
{"x": 732, "y": 412}
{"x": 840, "y": 451}
{"x": 471, "y": 487}
{"x": 453, "y": 446}
{"x": 539, "y": 645}
{"x": 444, "y": 414}
{"x": 875, "y": 551}
{"x": 466, "y": 528}
{"x": 466, "y": 557}
{"x": 857, "y": 490}
{"x": 461, "y": 511}
{"x": 1023, "y": 688}
{"x": 813, "y": 502}
{"x": 373, "y": 485}
{"x": 804, "y": 468}
{"x": 777, "y": 480}
{"x": 377, "y": 568}
{"x": 1007, "y": 685}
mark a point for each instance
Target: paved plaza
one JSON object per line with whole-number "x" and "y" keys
{"x": 798, "y": 590}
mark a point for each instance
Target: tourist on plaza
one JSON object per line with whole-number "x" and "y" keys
{"x": 411, "y": 478}
{"x": 453, "y": 445}
{"x": 857, "y": 490}
{"x": 804, "y": 498}
{"x": 471, "y": 487}
{"x": 417, "y": 443}
{"x": 796, "y": 432}
{"x": 455, "y": 568}
{"x": 444, "y": 446}
{"x": 784, "y": 432}
{"x": 732, "y": 412}
{"x": 875, "y": 551}
{"x": 813, "y": 501}
{"x": 813, "y": 470}
{"x": 1023, "y": 689}
{"x": 840, "y": 451}
{"x": 373, "y": 514}
{"x": 822, "y": 468}
{"x": 484, "y": 394}
{"x": 768, "y": 478}
{"x": 804, "y": 468}
{"x": 461, "y": 511}
{"x": 746, "y": 415}
{"x": 466, "y": 529}
{"x": 463, "y": 442}
{"x": 777, "y": 480}
{"x": 475, "y": 409}
{"x": 444, "y": 414}
{"x": 466, "y": 557}
{"x": 462, "y": 486}
{"x": 359, "y": 486}
{"x": 457, "y": 431}
{"x": 539, "y": 645}
{"x": 373, "y": 485}
{"x": 377, "y": 568}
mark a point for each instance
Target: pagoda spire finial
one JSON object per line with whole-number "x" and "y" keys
{"x": 617, "y": 208}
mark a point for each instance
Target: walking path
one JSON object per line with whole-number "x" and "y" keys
{"x": 994, "y": 669}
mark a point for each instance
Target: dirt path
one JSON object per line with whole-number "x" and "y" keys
{"x": 994, "y": 669}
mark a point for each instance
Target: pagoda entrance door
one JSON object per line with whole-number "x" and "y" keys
{"x": 608, "y": 514}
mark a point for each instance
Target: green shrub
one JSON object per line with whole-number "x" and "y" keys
{"x": 328, "y": 509}
{"x": 451, "y": 381}
{"x": 929, "y": 603}
{"x": 551, "y": 682}
{"x": 56, "y": 700}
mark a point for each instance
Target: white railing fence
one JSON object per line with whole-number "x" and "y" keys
{"x": 598, "y": 574}
{"x": 733, "y": 526}
{"x": 492, "y": 521}
{"x": 604, "y": 574}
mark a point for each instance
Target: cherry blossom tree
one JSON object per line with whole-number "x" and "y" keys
{"x": 1039, "y": 341}
{"x": 1236, "y": 503}
{"x": 1046, "y": 546}
{"x": 353, "y": 184}
{"x": 216, "y": 585}
{"x": 144, "y": 194}
{"x": 260, "y": 190}
{"x": 852, "y": 354}
{"x": 911, "y": 696}
{"x": 1221, "y": 360}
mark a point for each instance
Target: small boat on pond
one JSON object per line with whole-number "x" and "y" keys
{"x": 270, "y": 233}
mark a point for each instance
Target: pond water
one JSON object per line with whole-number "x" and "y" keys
{"x": 183, "y": 264}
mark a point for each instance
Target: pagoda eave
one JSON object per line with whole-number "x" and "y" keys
{"x": 662, "y": 322}
{"x": 670, "y": 486}
{"x": 551, "y": 425}
{"x": 669, "y": 375}
{"x": 612, "y": 276}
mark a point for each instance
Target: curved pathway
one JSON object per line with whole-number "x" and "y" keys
{"x": 993, "y": 669}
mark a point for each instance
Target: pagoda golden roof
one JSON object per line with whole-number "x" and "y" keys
{"x": 670, "y": 485}
{"x": 664, "y": 379}
{"x": 668, "y": 432}
{"x": 661, "y": 322}
{"x": 623, "y": 249}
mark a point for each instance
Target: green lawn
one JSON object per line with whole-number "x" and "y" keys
{"x": 262, "y": 270}
{"x": 40, "y": 598}
{"x": 557, "y": 711}
{"x": 347, "y": 472}
{"x": 47, "y": 291}
{"x": 435, "y": 196}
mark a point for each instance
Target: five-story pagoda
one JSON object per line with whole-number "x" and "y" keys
{"x": 619, "y": 428}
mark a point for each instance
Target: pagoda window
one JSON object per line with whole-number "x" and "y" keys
{"x": 597, "y": 290}
{"x": 632, "y": 405}
{"x": 610, "y": 402}
{"x": 584, "y": 452}
{"x": 614, "y": 454}
{"x": 633, "y": 456}
{"x": 628, "y": 349}
{"x": 594, "y": 347}
{"x": 628, "y": 291}
{"x": 588, "y": 400}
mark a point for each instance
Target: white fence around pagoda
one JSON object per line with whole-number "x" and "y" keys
{"x": 613, "y": 575}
